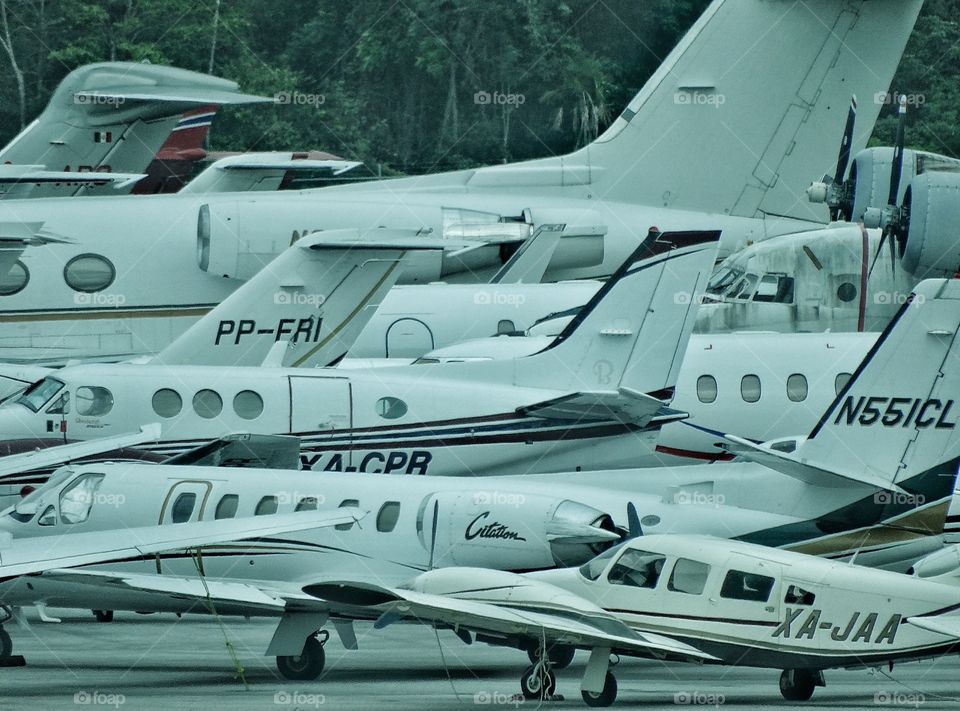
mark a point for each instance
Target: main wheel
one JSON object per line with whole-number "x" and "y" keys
{"x": 559, "y": 655}
{"x": 537, "y": 682}
{"x": 797, "y": 684}
{"x": 305, "y": 666}
{"x": 6, "y": 644}
{"x": 103, "y": 615}
{"x": 605, "y": 697}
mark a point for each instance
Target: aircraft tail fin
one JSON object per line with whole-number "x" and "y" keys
{"x": 170, "y": 168}
{"x": 758, "y": 91}
{"x": 633, "y": 333}
{"x": 114, "y": 117}
{"x": 317, "y": 295}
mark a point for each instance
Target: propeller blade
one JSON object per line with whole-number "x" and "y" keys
{"x": 633, "y": 521}
{"x": 844, "y": 160}
{"x": 896, "y": 169}
{"x": 433, "y": 532}
{"x": 883, "y": 239}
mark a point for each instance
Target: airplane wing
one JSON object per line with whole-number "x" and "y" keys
{"x": 259, "y": 171}
{"x": 623, "y": 405}
{"x": 948, "y": 625}
{"x": 28, "y": 556}
{"x": 243, "y": 450}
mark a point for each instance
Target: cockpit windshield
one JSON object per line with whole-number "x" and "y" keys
{"x": 40, "y": 393}
{"x": 592, "y": 569}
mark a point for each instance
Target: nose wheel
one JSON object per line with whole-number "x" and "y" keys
{"x": 605, "y": 697}
{"x": 309, "y": 664}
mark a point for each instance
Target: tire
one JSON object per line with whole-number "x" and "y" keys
{"x": 537, "y": 683}
{"x": 797, "y": 684}
{"x": 605, "y": 697}
{"x": 103, "y": 615}
{"x": 6, "y": 644}
{"x": 560, "y": 655}
{"x": 305, "y": 666}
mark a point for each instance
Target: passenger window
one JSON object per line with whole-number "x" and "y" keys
{"x": 307, "y": 503}
{"x": 48, "y": 517}
{"x": 347, "y": 503}
{"x": 798, "y": 596}
{"x": 841, "y": 382}
{"x": 750, "y": 388}
{"x": 15, "y": 280}
{"x": 227, "y": 506}
{"x": 797, "y": 387}
{"x": 688, "y": 576}
{"x": 706, "y": 388}
{"x": 207, "y": 404}
{"x": 391, "y": 408}
{"x": 739, "y": 585}
{"x": 167, "y": 402}
{"x": 89, "y": 273}
{"x": 846, "y": 292}
{"x": 182, "y": 507}
{"x": 93, "y": 401}
{"x": 387, "y": 516}
{"x": 505, "y": 326}
{"x": 266, "y": 506}
{"x": 77, "y": 499}
{"x": 638, "y": 569}
{"x": 248, "y": 405}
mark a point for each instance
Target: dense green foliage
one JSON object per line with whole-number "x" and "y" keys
{"x": 395, "y": 83}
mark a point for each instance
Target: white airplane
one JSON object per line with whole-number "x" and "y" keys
{"x": 103, "y": 126}
{"x": 683, "y": 598}
{"x": 700, "y": 108}
{"x": 603, "y": 381}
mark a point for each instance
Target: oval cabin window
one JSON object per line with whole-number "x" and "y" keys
{"x": 797, "y": 387}
{"x": 750, "y": 388}
{"x": 89, "y": 273}
{"x": 167, "y": 402}
{"x": 207, "y": 404}
{"x": 15, "y": 280}
{"x": 706, "y": 388}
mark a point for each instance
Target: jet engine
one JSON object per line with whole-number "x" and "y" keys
{"x": 511, "y": 531}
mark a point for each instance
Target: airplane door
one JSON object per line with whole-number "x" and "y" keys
{"x": 185, "y": 502}
{"x": 408, "y": 338}
{"x": 318, "y": 404}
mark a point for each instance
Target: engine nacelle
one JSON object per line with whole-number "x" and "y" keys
{"x": 512, "y": 531}
{"x": 932, "y": 248}
{"x": 945, "y": 561}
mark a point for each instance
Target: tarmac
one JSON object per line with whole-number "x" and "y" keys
{"x": 162, "y": 662}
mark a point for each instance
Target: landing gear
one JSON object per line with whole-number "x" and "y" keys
{"x": 605, "y": 697}
{"x": 103, "y": 615}
{"x": 6, "y": 644}
{"x": 799, "y": 684}
{"x": 538, "y": 682}
{"x": 307, "y": 665}
{"x": 559, "y": 655}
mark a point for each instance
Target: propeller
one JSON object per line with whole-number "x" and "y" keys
{"x": 892, "y": 216}
{"x": 835, "y": 191}
{"x": 633, "y": 522}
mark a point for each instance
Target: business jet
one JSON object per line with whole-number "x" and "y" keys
{"x": 686, "y": 599}
{"x": 841, "y": 492}
{"x": 699, "y": 110}
{"x": 604, "y": 381}
{"x": 105, "y": 123}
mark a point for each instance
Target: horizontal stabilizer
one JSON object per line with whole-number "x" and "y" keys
{"x": 200, "y": 96}
{"x": 948, "y": 625}
{"x": 261, "y": 171}
{"x": 32, "y": 174}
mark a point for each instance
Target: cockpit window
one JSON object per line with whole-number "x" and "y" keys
{"x": 688, "y": 576}
{"x": 775, "y": 289}
{"x": 592, "y": 569}
{"x": 638, "y": 569}
{"x": 48, "y": 517}
{"x": 722, "y": 280}
{"x": 39, "y": 394}
{"x": 744, "y": 288}
{"x": 740, "y": 585}
{"x": 77, "y": 499}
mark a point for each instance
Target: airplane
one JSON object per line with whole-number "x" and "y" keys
{"x": 839, "y": 279}
{"x": 686, "y": 599}
{"x": 104, "y": 124}
{"x": 699, "y": 109}
{"x": 840, "y": 493}
{"x": 604, "y": 381}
